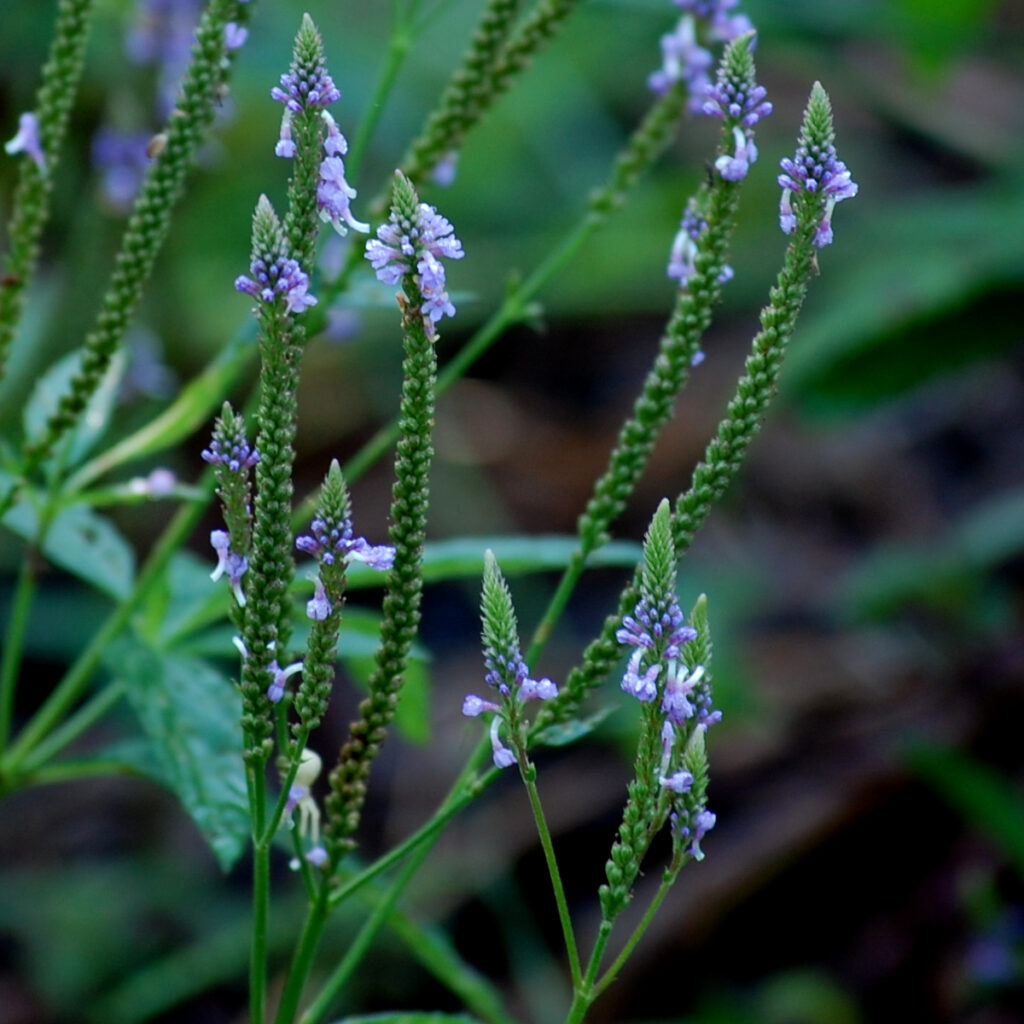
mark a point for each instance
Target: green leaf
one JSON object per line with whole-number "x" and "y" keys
{"x": 985, "y": 799}
{"x": 190, "y": 714}
{"x": 55, "y": 383}
{"x": 564, "y": 733}
{"x": 83, "y": 542}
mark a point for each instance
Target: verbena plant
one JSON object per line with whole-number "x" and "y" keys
{"x": 243, "y": 755}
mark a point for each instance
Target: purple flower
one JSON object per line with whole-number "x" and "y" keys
{"x": 723, "y": 26}
{"x": 319, "y": 606}
{"x": 503, "y": 757}
{"x": 279, "y": 683}
{"x": 229, "y": 563}
{"x": 122, "y": 160}
{"x": 335, "y": 144}
{"x": 474, "y": 706}
{"x": 330, "y": 545}
{"x": 277, "y": 277}
{"x": 538, "y": 689}
{"x": 235, "y": 35}
{"x": 682, "y": 263}
{"x": 285, "y": 144}
{"x": 643, "y": 687}
{"x": 678, "y": 782}
{"x": 444, "y": 170}
{"x": 678, "y": 687}
{"x": 27, "y": 141}
{"x": 333, "y": 195}
{"x": 317, "y": 856}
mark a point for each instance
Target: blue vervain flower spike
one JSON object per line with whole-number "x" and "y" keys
{"x": 670, "y": 687}
{"x": 409, "y": 254}
{"x": 815, "y": 179}
{"x": 746, "y": 410}
{"x": 507, "y": 674}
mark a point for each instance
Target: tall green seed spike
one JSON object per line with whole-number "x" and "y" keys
{"x": 148, "y": 225}
{"x": 404, "y": 585}
{"x": 31, "y": 203}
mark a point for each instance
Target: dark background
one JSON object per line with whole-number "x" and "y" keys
{"x": 864, "y": 575}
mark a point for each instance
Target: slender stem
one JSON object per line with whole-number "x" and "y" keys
{"x": 529, "y": 773}
{"x": 560, "y": 598}
{"x": 609, "y": 976}
{"x": 260, "y": 894}
{"x": 361, "y": 944}
{"x": 14, "y": 641}
{"x": 302, "y": 961}
{"x": 584, "y": 995}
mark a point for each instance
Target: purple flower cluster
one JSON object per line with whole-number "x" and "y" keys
{"x": 507, "y": 673}
{"x": 330, "y": 545}
{"x": 276, "y": 277}
{"x": 741, "y": 104}
{"x": 814, "y": 169}
{"x": 658, "y": 633}
{"x": 684, "y": 59}
{"x": 300, "y": 91}
{"x": 235, "y": 453}
{"x": 683, "y": 257}
{"x": 417, "y": 247}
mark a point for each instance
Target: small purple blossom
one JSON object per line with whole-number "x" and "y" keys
{"x": 319, "y": 606}
{"x": 335, "y": 144}
{"x": 122, "y": 161}
{"x": 330, "y": 545}
{"x": 474, "y": 706}
{"x": 678, "y": 782}
{"x": 444, "y": 170}
{"x": 235, "y": 36}
{"x": 731, "y": 101}
{"x": 538, "y": 689}
{"x": 676, "y": 703}
{"x": 642, "y": 686}
{"x": 503, "y": 756}
{"x": 295, "y": 795}
{"x": 317, "y": 856}
{"x": 734, "y": 167}
{"x": 27, "y": 141}
{"x": 275, "y": 277}
{"x": 229, "y": 563}
{"x": 276, "y": 690}
{"x": 648, "y": 628}
{"x": 285, "y": 143}
{"x": 333, "y": 196}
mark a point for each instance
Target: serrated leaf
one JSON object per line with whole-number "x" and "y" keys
{"x": 84, "y": 543}
{"x": 55, "y": 383}
{"x": 190, "y": 715}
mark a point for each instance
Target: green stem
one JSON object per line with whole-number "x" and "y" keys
{"x": 528, "y": 773}
{"x": 584, "y": 995}
{"x": 14, "y": 641}
{"x": 302, "y": 962}
{"x": 260, "y": 893}
{"x": 610, "y": 975}
{"x": 361, "y": 944}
